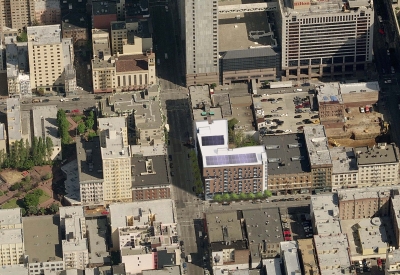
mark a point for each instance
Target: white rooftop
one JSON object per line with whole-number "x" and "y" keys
{"x": 361, "y": 87}
{"x": 372, "y": 234}
{"x": 343, "y": 160}
{"x": 325, "y": 210}
{"x": 364, "y": 193}
{"x": 273, "y": 266}
{"x": 162, "y": 209}
{"x": 13, "y": 270}
{"x": 393, "y": 260}
{"x": 317, "y": 145}
{"x": 114, "y": 137}
{"x": 290, "y": 257}
{"x": 332, "y": 253}
{"x": 45, "y": 123}
{"x": 10, "y": 216}
{"x": 74, "y": 222}
{"x": 329, "y": 92}
{"x": 42, "y": 35}
{"x": 11, "y": 236}
{"x": 14, "y": 119}
{"x": 212, "y": 138}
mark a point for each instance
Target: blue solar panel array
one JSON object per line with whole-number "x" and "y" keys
{"x": 231, "y": 159}
{"x": 212, "y": 140}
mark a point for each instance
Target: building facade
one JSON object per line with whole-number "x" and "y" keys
{"x": 345, "y": 169}
{"x": 16, "y": 14}
{"x": 11, "y": 240}
{"x": 49, "y": 56}
{"x": 200, "y": 32}
{"x": 47, "y": 12}
{"x": 130, "y": 37}
{"x": 325, "y": 38}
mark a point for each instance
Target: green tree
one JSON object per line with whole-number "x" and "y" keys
{"x": 226, "y": 197}
{"x": 1, "y": 193}
{"x": 81, "y": 128}
{"x": 234, "y": 196}
{"x": 89, "y": 123}
{"x": 232, "y": 122}
{"x": 54, "y": 208}
{"x": 40, "y": 91}
{"x": 22, "y": 37}
{"x": 251, "y": 196}
{"x": 243, "y": 196}
{"x": 63, "y": 126}
{"x": 259, "y": 195}
{"x": 48, "y": 176}
{"x": 15, "y": 186}
{"x": 217, "y": 197}
{"x": 42, "y": 211}
{"x": 267, "y": 193}
{"x": 32, "y": 210}
{"x": 31, "y": 199}
{"x": 49, "y": 148}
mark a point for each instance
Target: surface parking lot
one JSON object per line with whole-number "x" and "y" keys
{"x": 285, "y": 112}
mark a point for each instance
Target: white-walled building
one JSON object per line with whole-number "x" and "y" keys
{"x": 11, "y": 237}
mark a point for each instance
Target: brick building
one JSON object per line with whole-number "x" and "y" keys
{"x": 103, "y": 13}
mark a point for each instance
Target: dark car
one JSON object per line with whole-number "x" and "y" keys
{"x": 274, "y": 128}
{"x": 76, "y": 99}
{"x": 170, "y": 157}
{"x": 291, "y": 199}
{"x": 67, "y": 111}
{"x": 275, "y": 200}
{"x": 315, "y": 116}
{"x": 98, "y": 97}
{"x": 270, "y": 132}
{"x": 280, "y": 123}
{"x": 279, "y": 131}
{"x": 256, "y": 95}
{"x": 280, "y": 99}
{"x": 181, "y": 243}
{"x": 171, "y": 165}
{"x": 267, "y": 116}
{"x": 276, "y": 120}
{"x": 271, "y": 99}
{"x": 298, "y": 116}
{"x": 45, "y": 100}
{"x": 279, "y": 108}
{"x": 299, "y": 123}
{"x": 264, "y": 100}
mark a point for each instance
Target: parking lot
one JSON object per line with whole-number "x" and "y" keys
{"x": 299, "y": 225}
{"x": 285, "y": 112}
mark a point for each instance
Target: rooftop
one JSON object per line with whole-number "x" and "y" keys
{"x": 41, "y": 238}
{"x": 273, "y": 266}
{"x": 140, "y": 212}
{"x": 343, "y": 160}
{"x": 329, "y": 93}
{"x": 149, "y": 171}
{"x": 16, "y": 57}
{"x": 360, "y": 87}
{"x": 317, "y": 146}
{"x": 243, "y": 30}
{"x": 372, "y": 234}
{"x": 330, "y": 6}
{"x": 364, "y": 193}
{"x": 262, "y": 226}
{"x": 14, "y": 270}
{"x": 325, "y": 210}
{"x": 14, "y": 119}
{"x": 10, "y": 217}
{"x": 74, "y": 20}
{"x": 73, "y": 221}
{"x": 168, "y": 270}
{"x": 44, "y": 35}
{"x": 104, "y": 7}
{"x": 47, "y": 4}
{"x": 89, "y": 160}
{"x": 11, "y": 236}
{"x": 290, "y": 257}
{"x": 308, "y": 257}
{"x": 332, "y": 253}
{"x": 98, "y": 251}
{"x": 72, "y": 186}
{"x": 224, "y": 227}
{"x": 113, "y": 130}
{"x": 393, "y": 258}
{"x": 44, "y": 120}
{"x": 131, "y": 63}
{"x": 287, "y": 154}
{"x": 381, "y": 154}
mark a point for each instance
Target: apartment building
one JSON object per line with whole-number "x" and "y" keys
{"x": 75, "y": 26}
{"x": 229, "y": 170}
{"x": 44, "y": 127}
{"x": 307, "y": 257}
{"x": 16, "y": 14}
{"x": 103, "y": 13}
{"x": 344, "y": 168}
{"x": 43, "y": 252}
{"x": 88, "y": 186}
{"x": 319, "y": 156}
{"x": 290, "y": 257}
{"x": 17, "y": 66}
{"x": 47, "y": 12}
{"x": 49, "y": 59}
{"x": 392, "y": 265}
{"x": 3, "y": 137}
{"x": 332, "y": 253}
{"x": 325, "y": 214}
{"x": 12, "y": 237}
{"x": 130, "y": 37}
{"x": 199, "y": 29}
{"x": 116, "y": 160}
{"x": 341, "y": 47}
{"x": 14, "y": 125}
{"x": 364, "y": 203}
{"x": 378, "y": 165}
{"x": 288, "y": 164}
{"x": 74, "y": 242}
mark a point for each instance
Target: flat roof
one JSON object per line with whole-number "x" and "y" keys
{"x": 11, "y": 236}
{"x": 360, "y": 87}
{"x": 331, "y": 6}
{"x": 372, "y": 234}
{"x": 287, "y": 154}
{"x": 72, "y": 186}
{"x": 393, "y": 258}
{"x": 317, "y": 145}
{"x": 97, "y": 230}
{"x": 44, "y": 35}
{"x": 73, "y": 220}
{"x": 104, "y": 7}
{"x": 332, "y": 253}
{"x": 290, "y": 257}
{"x": 168, "y": 270}
{"x": 41, "y": 238}
{"x": 14, "y": 119}
{"x": 364, "y": 193}
{"x": 273, "y": 266}
{"x": 142, "y": 209}
{"x": 44, "y": 120}
{"x": 325, "y": 210}
{"x": 343, "y": 160}
{"x": 89, "y": 160}
{"x": 243, "y": 30}
{"x": 112, "y": 129}
{"x": 249, "y": 53}
{"x": 14, "y": 270}
{"x": 308, "y": 257}
{"x": 74, "y": 20}
{"x": 329, "y": 93}
{"x": 142, "y": 176}
{"x": 224, "y": 227}
{"x": 199, "y": 96}
{"x": 380, "y": 154}
{"x": 262, "y": 226}
{"x": 10, "y": 216}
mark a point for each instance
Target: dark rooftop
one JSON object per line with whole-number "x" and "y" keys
{"x": 380, "y": 154}
{"x": 78, "y": 6}
{"x": 75, "y": 20}
{"x": 104, "y": 7}
{"x": 137, "y": 9}
{"x": 247, "y": 53}
{"x": 165, "y": 259}
{"x": 118, "y": 25}
{"x": 287, "y": 154}
{"x": 130, "y": 63}
{"x": 118, "y": 269}
{"x": 237, "y": 245}
{"x": 139, "y": 176}
{"x": 89, "y": 159}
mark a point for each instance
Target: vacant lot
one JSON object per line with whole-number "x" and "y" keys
{"x": 11, "y": 176}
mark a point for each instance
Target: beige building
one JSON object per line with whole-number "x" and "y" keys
{"x": 11, "y": 238}
{"x": 3, "y": 138}
{"x": 392, "y": 265}
{"x": 130, "y": 37}
{"x": 16, "y": 14}
{"x": 344, "y": 170}
{"x": 372, "y": 236}
{"x": 395, "y": 217}
{"x": 49, "y": 59}
{"x": 378, "y": 165}
{"x": 115, "y": 154}
{"x": 74, "y": 243}
{"x": 364, "y": 203}
{"x": 307, "y": 257}
{"x": 47, "y": 12}
{"x": 14, "y": 126}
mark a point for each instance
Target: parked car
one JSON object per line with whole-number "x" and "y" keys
{"x": 298, "y": 116}
{"x": 279, "y": 108}
{"x": 267, "y": 116}
{"x": 279, "y": 131}
{"x": 264, "y": 100}
{"x": 299, "y": 123}
{"x": 271, "y": 99}
{"x": 76, "y": 99}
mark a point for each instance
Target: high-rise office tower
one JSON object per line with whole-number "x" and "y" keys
{"x": 330, "y": 38}
{"x": 200, "y": 31}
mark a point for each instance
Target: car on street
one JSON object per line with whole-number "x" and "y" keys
{"x": 268, "y": 116}
{"x": 76, "y": 99}
{"x": 264, "y": 100}
{"x": 299, "y": 123}
{"x": 172, "y": 173}
{"x": 279, "y": 108}
{"x": 170, "y": 157}
{"x": 98, "y": 97}
{"x": 298, "y": 116}
{"x": 256, "y": 95}
{"x": 171, "y": 165}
